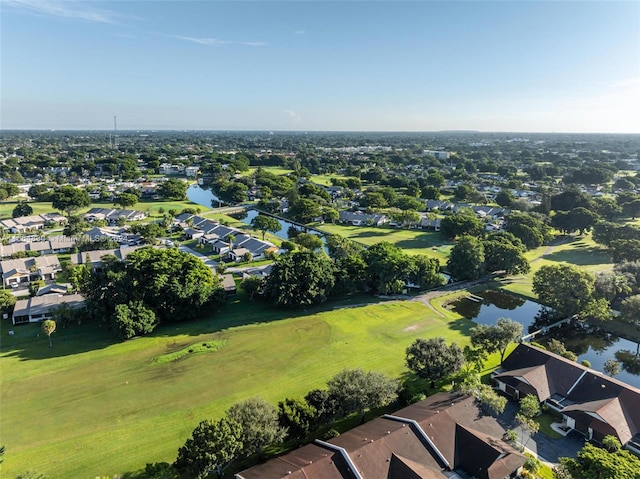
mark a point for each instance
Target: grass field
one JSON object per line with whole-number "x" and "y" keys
{"x": 151, "y": 207}
{"x": 89, "y": 406}
{"x": 414, "y": 241}
{"x": 579, "y": 251}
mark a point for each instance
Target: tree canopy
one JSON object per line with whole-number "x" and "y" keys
{"x": 565, "y": 288}
{"x": 432, "y": 359}
{"x": 466, "y": 260}
{"x": 70, "y": 199}
{"x": 258, "y": 422}
{"x": 300, "y": 278}
{"x": 356, "y": 390}
{"x": 497, "y": 337}
{"x": 264, "y": 223}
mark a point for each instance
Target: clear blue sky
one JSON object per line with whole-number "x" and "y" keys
{"x": 544, "y": 66}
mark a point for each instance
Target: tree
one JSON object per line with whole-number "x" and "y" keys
{"x": 304, "y": 210}
{"x": 252, "y": 285}
{"x": 461, "y": 224}
{"x": 265, "y": 223}
{"x": 611, "y": 367}
{"x": 559, "y": 348}
{"x": 259, "y": 424}
{"x": 48, "y": 327}
{"x": 466, "y": 260}
{"x": 505, "y": 198}
{"x": 22, "y": 209}
{"x": 301, "y": 278}
{"x": 527, "y": 425}
{"x": 388, "y": 268}
{"x": 213, "y": 445}
{"x": 134, "y": 319}
{"x": 432, "y": 359}
{"x": 530, "y": 406}
{"x": 406, "y": 218}
{"x": 496, "y": 338}
{"x": 70, "y": 199}
{"x": 593, "y": 462}
{"x": 7, "y": 301}
{"x": 125, "y": 200}
{"x": 173, "y": 189}
{"x": 297, "y": 417}
{"x": 309, "y": 241}
{"x": 530, "y": 229}
{"x": 502, "y": 256}
{"x": 355, "y": 390}
{"x": 425, "y": 272}
{"x": 484, "y": 393}
{"x": 564, "y": 288}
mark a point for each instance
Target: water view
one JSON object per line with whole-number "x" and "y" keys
{"x": 594, "y": 346}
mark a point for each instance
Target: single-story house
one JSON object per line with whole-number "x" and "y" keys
{"x": 23, "y": 224}
{"x": 53, "y": 289}
{"x": 430, "y": 224}
{"x": 431, "y": 439}
{"x": 590, "y": 402}
{"x": 38, "y": 308}
{"x": 24, "y": 270}
{"x": 112, "y": 215}
{"x": 358, "y": 218}
{"x": 95, "y": 257}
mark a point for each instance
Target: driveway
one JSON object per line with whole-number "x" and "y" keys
{"x": 547, "y": 449}
{"x": 206, "y": 260}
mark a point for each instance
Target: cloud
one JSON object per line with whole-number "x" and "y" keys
{"x": 294, "y": 116}
{"x": 73, "y": 10}
{"x": 299, "y": 32}
{"x": 218, "y": 42}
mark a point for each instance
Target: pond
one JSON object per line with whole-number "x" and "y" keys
{"x": 202, "y": 196}
{"x": 491, "y": 305}
{"x": 593, "y": 345}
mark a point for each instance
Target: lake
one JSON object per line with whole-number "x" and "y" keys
{"x": 593, "y": 345}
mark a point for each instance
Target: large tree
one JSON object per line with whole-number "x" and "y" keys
{"x": 212, "y": 446}
{"x": 134, "y": 319}
{"x": 264, "y": 223}
{"x": 259, "y": 424}
{"x": 70, "y": 199}
{"x": 22, "y": 209}
{"x": 593, "y": 462}
{"x": 356, "y": 390}
{"x": 432, "y": 359}
{"x": 460, "y": 224}
{"x": 502, "y": 256}
{"x": 497, "y": 337}
{"x": 173, "y": 189}
{"x": 466, "y": 260}
{"x": 125, "y": 200}
{"x": 388, "y": 268}
{"x": 301, "y": 278}
{"x": 565, "y": 288}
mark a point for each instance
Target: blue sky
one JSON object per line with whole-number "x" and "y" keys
{"x": 543, "y": 66}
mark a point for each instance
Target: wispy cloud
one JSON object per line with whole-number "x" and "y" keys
{"x": 299, "y": 32}
{"x": 216, "y": 42}
{"x": 294, "y": 116}
{"x": 74, "y": 10}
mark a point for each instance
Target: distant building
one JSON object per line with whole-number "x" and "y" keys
{"x": 438, "y": 154}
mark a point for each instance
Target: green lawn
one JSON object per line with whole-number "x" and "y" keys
{"x": 89, "y": 406}
{"x": 149, "y": 206}
{"x": 413, "y": 241}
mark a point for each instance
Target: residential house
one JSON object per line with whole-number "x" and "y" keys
{"x": 112, "y": 215}
{"x": 95, "y": 258}
{"x": 433, "y": 439}
{"x": 591, "y": 403}
{"x": 24, "y": 270}
{"x": 38, "y": 308}
{"x": 359, "y": 218}
{"x": 430, "y": 224}
{"x": 24, "y": 224}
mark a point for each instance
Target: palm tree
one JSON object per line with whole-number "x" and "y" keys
{"x": 49, "y": 326}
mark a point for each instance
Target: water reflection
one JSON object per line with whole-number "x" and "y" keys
{"x": 490, "y": 305}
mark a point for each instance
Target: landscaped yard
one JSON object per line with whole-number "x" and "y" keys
{"x": 90, "y": 406}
